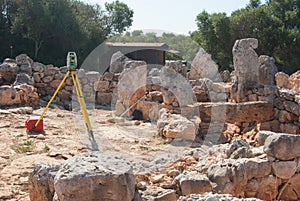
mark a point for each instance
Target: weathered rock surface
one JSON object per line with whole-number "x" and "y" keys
{"x": 117, "y": 62}
{"x": 9, "y": 96}
{"x": 95, "y": 176}
{"x": 193, "y": 183}
{"x": 153, "y": 193}
{"x": 7, "y": 73}
{"x": 175, "y": 126}
{"x": 267, "y": 70}
{"x": 284, "y": 169}
{"x": 41, "y": 181}
{"x": 204, "y": 67}
{"x": 213, "y": 197}
{"x": 282, "y": 79}
{"x": 283, "y": 146}
{"x": 246, "y": 67}
{"x": 294, "y": 81}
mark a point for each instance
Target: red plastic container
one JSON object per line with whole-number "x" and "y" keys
{"x": 30, "y": 125}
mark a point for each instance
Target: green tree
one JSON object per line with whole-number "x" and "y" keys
{"x": 254, "y": 4}
{"x": 97, "y": 24}
{"x": 214, "y": 36}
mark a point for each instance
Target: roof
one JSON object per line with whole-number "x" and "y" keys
{"x": 139, "y": 45}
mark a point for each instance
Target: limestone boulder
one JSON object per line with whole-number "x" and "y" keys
{"x": 294, "y": 81}
{"x": 283, "y": 146}
{"x": 26, "y": 68}
{"x": 24, "y": 78}
{"x": 41, "y": 181}
{"x": 149, "y": 109}
{"x": 23, "y": 59}
{"x": 95, "y": 176}
{"x": 221, "y": 174}
{"x": 204, "y": 67}
{"x": 175, "y": 126}
{"x": 193, "y": 183}
{"x": 38, "y": 67}
{"x": 157, "y": 194}
{"x": 284, "y": 169}
{"x": 178, "y": 67}
{"x": 246, "y": 67}
{"x": 9, "y": 96}
{"x": 93, "y": 76}
{"x": 28, "y": 94}
{"x": 282, "y": 80}
{"x": 267, "y": 70}
{"x": 270, "y": 188}
{"x": 7, "y": 73}
{"x": 117, "y": 62}
{"x": 103, "y": 98}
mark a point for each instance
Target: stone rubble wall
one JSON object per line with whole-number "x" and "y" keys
{"x": 269, "y": 171}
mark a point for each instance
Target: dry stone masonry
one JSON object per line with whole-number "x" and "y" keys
{"x": 255, "y": 110}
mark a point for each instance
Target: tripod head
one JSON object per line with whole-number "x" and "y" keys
{"x": 72, "y": 61}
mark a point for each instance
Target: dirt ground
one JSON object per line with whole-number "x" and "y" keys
{"x": 65, "y": 136}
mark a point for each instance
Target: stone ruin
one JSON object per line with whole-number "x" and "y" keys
{"x": 249, "y": 107}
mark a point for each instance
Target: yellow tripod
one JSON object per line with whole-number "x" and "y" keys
{"x": 72, "y": 65}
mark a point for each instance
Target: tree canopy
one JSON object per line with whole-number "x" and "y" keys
{"x": 276, "y": 24}
{"x": 47, "y": 29}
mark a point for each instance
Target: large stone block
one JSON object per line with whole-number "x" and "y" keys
{"x": 246, "y": 67}
{"x": 259, "y": 111}
{"x": 204, "y": 67}
{"x": 193, "y": 183}
{"x": 267, "y": 70}
{"x": 95, "y": 176}
{"x": 294, "y": 81}
{"x": 283, "y": 146}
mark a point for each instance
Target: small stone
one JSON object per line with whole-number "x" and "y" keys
{"x": 157, "y": 178}
{"x": 141, "y": 185}
{"x": 41, "y": 137}
{"x": 173, "y": 173}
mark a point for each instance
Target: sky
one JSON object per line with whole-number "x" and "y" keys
{"x": 177, "y": 16}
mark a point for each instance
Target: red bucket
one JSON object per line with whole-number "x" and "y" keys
{"x": 30, "y": 125}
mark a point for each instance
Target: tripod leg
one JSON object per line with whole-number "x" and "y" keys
{"x": 83, "y": 110}
{"x": 52, "y": 98}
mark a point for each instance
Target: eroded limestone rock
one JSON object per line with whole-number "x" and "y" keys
{"x": 204, "y": 67}
{"x": 95, "y": 176}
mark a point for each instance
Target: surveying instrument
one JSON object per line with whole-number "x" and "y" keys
{"x": 72, "y": 66}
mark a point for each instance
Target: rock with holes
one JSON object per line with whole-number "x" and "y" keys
{"x": 9, "y": 96}
{"x": 95, "y": 176}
